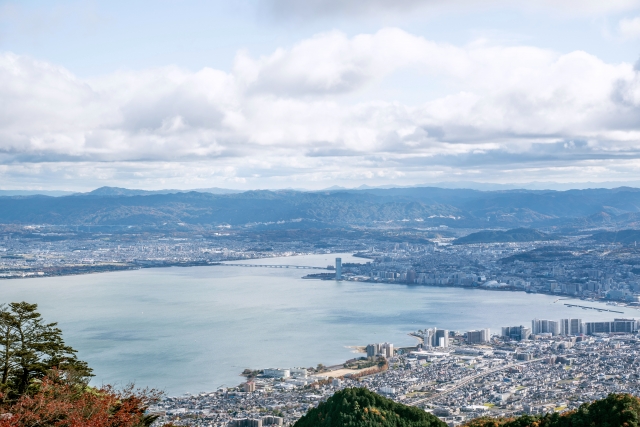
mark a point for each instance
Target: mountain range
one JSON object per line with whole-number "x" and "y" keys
{"x": 413, "y": 207}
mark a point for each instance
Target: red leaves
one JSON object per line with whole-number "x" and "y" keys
{"x": 59, "y": 404}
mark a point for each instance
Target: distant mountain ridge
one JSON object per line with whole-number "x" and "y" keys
{"x": 416, "y": 207}
{"x": 50, "y": 193}
{"x": 117, "y": 191}
{"x": 629, "y": 237}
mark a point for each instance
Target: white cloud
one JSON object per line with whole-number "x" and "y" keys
{"x": 291, "y": 115}
{"x": 315, "y": 8}
{"x": 629, "y": 28}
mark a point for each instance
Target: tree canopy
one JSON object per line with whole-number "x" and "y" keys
{"x": 30, "y": 348}
{"x": 616, "y": 410}
{"x": 56, "y": 402}
{"x": 356, "y": 407}
{"x": 44, "y": 384}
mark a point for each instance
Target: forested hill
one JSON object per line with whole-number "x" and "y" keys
{"x": 617, "y": 410}
{"x": 358, "y": 407}
{"x": 422, "y": 206}
{"x": 515, "y": 235}
{"x": 629, "y": 237}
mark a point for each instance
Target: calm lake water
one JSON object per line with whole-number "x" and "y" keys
{"x": 195, "y": 329}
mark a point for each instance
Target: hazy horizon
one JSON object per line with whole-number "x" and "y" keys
{"x": 471, "y": 185}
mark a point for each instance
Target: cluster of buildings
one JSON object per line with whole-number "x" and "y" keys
{"x": 540, "y": 328}
{"x": 551, "y": 366}
{"x": 441, "y": 338}
{"x": 533, "y": 377}
{"x": 435, "y": 338}
{"x": 571, "y": 266}
{"x": 497, "y": 377}
{"x": 381, "y": 349}
{"x": 275, "y": 397}
{"x": 37, "y": 251}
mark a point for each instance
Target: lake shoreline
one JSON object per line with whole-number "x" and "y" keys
{"x": 166, "y": 327}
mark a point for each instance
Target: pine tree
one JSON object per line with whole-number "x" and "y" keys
{"x": 29, "y": 348}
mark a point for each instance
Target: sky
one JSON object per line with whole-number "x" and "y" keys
{"x": 310, "y": 94}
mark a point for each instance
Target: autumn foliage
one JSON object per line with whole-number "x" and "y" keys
{"x": 61, "y": 403}
{"x": 43, "y": 384}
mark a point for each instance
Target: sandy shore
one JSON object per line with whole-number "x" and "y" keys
{"x": 341, "y": 372}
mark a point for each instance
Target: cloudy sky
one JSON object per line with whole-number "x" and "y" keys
{"x": 313, "y": 93}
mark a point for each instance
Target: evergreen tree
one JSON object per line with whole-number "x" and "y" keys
{"x": 29, "y": 348}
{"x": 358, "y": 407}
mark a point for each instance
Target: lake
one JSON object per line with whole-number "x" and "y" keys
{"x": 195, "y": 329}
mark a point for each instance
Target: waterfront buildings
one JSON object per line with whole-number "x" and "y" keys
{"x": 435, "y": 338}
{"x": 618, "y": 325}
{"x": 299, "y": 372}
{"x": 380, "y": 349}
{"x": 545, "y": 327}
{"x": 501, "y": 378}
{"x": 277, "y": 373}
{"x": 571, "y": 326}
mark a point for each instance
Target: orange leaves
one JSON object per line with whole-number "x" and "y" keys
{"x": 59, "y": 404}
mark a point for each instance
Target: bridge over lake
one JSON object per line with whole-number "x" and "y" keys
{"x": 300, "y": 267}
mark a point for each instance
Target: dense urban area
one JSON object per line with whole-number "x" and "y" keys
{"x": 552, "y": 366}
{"x": 572, "y": 265}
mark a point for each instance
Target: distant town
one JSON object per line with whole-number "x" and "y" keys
{"x": 573, "y": 266}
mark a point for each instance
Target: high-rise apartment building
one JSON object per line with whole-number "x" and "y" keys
{"x": 440, "y": 338}
{"x": 478, "y": 337}
{"x": 387, "y": 349}
{"x": 571, "y": 326}
{"x": 516, "y": 333}
{"x": 539, "y": 326}
{"x": 618, "y": 325}
{"x": 383, "y": 349}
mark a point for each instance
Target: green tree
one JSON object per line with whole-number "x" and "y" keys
{"x": 29, "y": 348}
{"x": 8, "y": 339}
{"x": 616, "y": 410}
{"x": 359, "y": 407}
